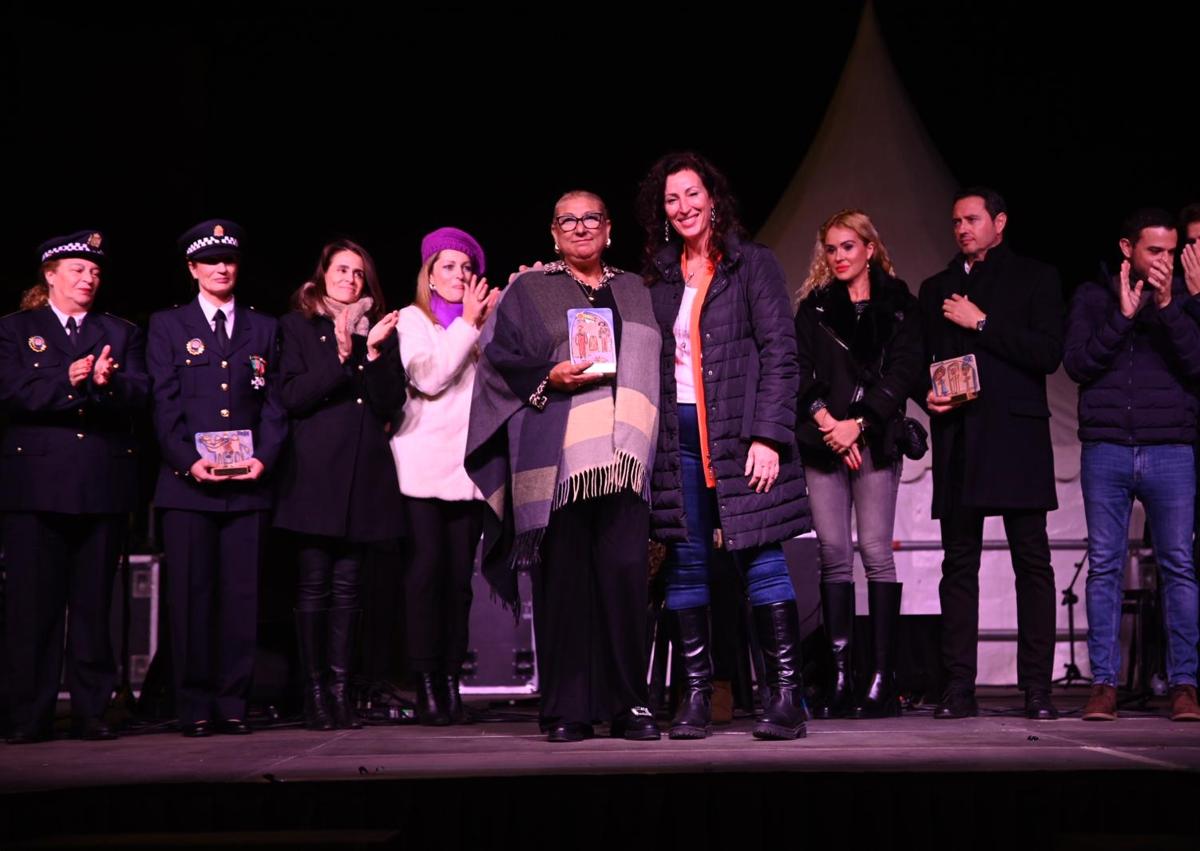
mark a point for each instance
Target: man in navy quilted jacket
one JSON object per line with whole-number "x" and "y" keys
{"x": 1135, "y": 353}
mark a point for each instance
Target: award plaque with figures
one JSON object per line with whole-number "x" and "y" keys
{"x": 590, "y": 333}
{"x": 957, "y": 378}
{"x": 228, "y": 451}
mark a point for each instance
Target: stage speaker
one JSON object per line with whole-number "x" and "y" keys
{"x": 132, "y": 620}
{"x": 502, "y": 655}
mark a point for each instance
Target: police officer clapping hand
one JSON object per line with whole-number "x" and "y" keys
{"x": 79, "y": 370}
{"x": 99, "y": 369}
{"x": 104, "y": 367}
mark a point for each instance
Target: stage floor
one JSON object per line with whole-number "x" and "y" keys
{"x": 993, "y": 782}
{"x": 999, "y": 740}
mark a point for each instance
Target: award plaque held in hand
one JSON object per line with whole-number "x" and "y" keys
{"x": 957, "y": 378}
{"x": 228, "y": 451}
{"x": 590, "y": 334}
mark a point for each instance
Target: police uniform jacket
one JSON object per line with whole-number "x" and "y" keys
{"x": 69, "y": 449}
{"x": 198, "y": 388}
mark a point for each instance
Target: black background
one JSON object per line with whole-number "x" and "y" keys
{"x": 307, "y": 121}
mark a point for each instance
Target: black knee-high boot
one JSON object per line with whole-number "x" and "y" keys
{"x": 343, "y": 625}
{"x": 837, "y": 611}
{"x": 693, "y": 718}
{"x": 778, "y": 627}
{"x": 311, "y": 631}
{"x": 881, "y": 699}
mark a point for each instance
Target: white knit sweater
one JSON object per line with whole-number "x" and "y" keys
{"x": 432, "y": 437}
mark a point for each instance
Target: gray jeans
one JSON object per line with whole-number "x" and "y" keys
{"x": 872, "y": 493}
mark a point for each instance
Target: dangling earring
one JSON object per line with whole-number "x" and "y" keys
{"x": 557, "y": 250}
{"x": 432, "y": 288}
{"x": 666, "y": 231}
{"x": 713, "y": 215}
{"x": 608, "y": 242}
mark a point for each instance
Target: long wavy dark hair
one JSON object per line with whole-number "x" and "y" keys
{"x": 653, "y": 218}
{"x": 308, "y": 298}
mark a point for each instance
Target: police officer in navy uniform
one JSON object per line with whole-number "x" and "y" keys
{"x": 70, "y": 381}
{"x": 213, "y": 365}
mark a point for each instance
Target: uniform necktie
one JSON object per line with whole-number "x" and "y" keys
{"x": 222, "y": 336}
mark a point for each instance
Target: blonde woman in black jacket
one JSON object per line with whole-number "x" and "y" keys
{"x": 858, "y": 338}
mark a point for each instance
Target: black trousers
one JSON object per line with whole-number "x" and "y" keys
{"x": 212, "y": 583}
{"x": 442, "y": 538}
{"x": 962, "y": 542}
{"x": 329, "y": 573}
{"x": 60, "y": 577}
{"x": 590, "y": 597}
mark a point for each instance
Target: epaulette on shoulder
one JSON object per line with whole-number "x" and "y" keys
{"x": 120, "y": 319}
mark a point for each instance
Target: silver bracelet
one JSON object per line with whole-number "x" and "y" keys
{"x": 538, "y": 399}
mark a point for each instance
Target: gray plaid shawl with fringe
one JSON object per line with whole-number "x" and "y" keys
{"x": 527, "y": 462}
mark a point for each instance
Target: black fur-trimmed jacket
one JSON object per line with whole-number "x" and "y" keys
{"x": 864, "y": 366}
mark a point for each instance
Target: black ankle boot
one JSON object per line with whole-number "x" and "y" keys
{"x": 311, "y": 629}
{"x": 451, "y": 687}
{"x": 693, "y": 718}
{"x": 343, "y": 625}
{"x": 430, "y": 711}
{"x": 778, "y": 627}
{"x": 881, "y": 699}
{"x": 837, "y": 611}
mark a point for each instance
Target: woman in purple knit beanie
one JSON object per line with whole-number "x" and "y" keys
{"x": 443, "y": 508}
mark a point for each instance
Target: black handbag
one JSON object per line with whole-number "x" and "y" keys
{"x": 913, "y": 441}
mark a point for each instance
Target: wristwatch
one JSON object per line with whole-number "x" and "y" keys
{"x": 979, "y": 325}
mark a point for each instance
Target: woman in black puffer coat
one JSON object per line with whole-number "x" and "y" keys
{"x": 726, "y": 455}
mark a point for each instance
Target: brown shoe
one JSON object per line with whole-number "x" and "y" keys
{"x": 1183, "y": 704}
{"x": 1102, "y": 705}
{"x": 722, "y": 702}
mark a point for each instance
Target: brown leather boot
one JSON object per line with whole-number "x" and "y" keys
{"x": 1102, "y": 705}
{"x": 1183, "y": 704}
{"x": 722, "y": 702}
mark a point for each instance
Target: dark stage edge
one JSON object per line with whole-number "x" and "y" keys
{"x": 992, "y": 782}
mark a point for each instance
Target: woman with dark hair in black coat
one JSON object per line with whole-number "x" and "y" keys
{"x": 858, "y": 336}
{"x": 342, "y": 384}
{"x": 726, "y": 453}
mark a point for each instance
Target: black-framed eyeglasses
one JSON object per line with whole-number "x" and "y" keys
{"x": 591, "y": 221}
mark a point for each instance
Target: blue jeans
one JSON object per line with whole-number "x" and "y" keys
{"x": 686, "y": 568}
{"x": 1163, "y": 478}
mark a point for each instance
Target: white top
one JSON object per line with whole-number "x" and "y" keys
{"x": 685, "y": 384}
{"x": 210, "y": 310}
{"x": 431, "y": 441}
{"x": 63, "y": 317}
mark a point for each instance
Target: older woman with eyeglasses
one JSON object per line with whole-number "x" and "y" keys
{"x": 562, "y": 451}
